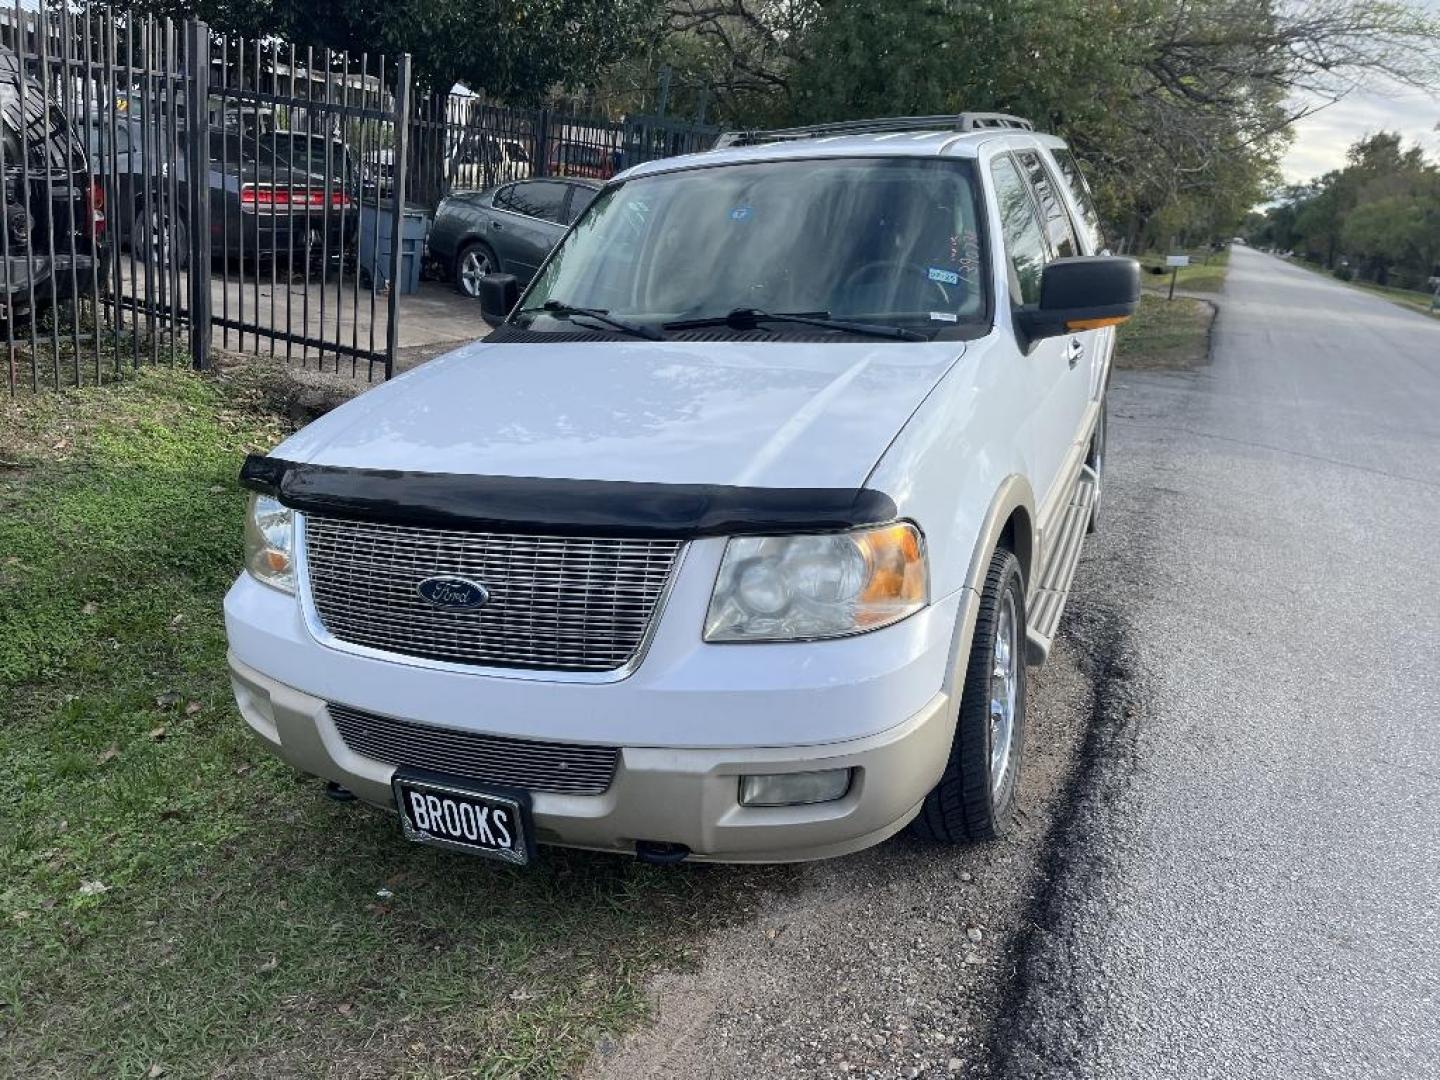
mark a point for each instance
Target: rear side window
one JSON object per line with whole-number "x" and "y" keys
{"x": 1057, "y": 219}
{"x": 580, "y": 198}
{"x": 503, "y": 198}
{"x": 1026, "y": 251}
{"x": 1089, "y": 219}
{"x": 543, "y": 199}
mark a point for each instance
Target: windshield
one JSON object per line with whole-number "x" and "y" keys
{"x": 892, "y": 241}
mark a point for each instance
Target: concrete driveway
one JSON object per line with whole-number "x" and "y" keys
{"x": 432, "y": 320}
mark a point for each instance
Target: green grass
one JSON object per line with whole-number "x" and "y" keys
{"x": 236, "y": 928}
{"x": 1165, "y": 334}
{"x": 1206, "y": 272}
{"x": 1416, "y": 301}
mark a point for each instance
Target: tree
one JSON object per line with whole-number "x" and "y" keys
{"x": 1179, "y": 107}
{"x": 513, "y": 49}
{"x": 1382, "y": 211}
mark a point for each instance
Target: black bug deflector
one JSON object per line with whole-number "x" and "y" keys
{"x": 563, "y": 506}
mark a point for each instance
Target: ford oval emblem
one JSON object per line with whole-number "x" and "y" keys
{"x": 454, "y": 593}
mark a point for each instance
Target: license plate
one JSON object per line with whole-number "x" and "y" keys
{"x": 449, "y": 812}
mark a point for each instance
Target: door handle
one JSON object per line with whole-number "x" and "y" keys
{"x": 496, "y": 225}
{"x": 1074, "y": 351}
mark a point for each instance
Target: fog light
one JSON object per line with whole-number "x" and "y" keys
{"x": 794, "y": 789}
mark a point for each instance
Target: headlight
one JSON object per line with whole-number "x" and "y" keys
{"x": 270, "y": 542}
{"x": 787, "y": 588}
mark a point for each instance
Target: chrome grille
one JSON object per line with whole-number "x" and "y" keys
{"x": 556, "y": 602}
{"x": 564, "y": 768}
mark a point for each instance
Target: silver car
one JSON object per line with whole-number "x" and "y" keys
{"x": 508, "y": 229}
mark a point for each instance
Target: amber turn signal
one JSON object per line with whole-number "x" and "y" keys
{"x": 1095, "y": 324}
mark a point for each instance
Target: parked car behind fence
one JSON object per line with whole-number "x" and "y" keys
{"x": 509, "y": 229}
{"x": 55, "y": 224}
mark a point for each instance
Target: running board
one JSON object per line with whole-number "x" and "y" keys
{"x": 1062, "y": 556}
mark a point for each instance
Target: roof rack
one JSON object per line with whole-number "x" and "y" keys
{"x": 968, "y": 121}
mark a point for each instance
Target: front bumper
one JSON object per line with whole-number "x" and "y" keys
{"x": 669, "y": 795}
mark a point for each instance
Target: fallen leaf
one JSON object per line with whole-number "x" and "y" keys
{"x": 178, "y": 619}
{"x": 167, "y": 699}
{"x": 345, "y": 1010}
{"x": 110, "y": 753}
{"x": 93, "y": 888}
{"x": 156, "y": 1071}
{"x": 192, "y": 708}
{"x": 241, "y": 770}
{"x": 157, "y": 733}
{"x": 48, "y": 903}
{"x": 521, "y": 995}
{"x": 90, "y": 608}
{"x": 384, "y": 894}
{"x": 13, "y": 560}
{"x": 19, "y": 916}
{"x": 269, "y": 965}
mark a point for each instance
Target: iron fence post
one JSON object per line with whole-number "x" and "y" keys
{"x": 541, "y": 165}
{"x": 197, "y": 182}
{"x": 397, "y": 219}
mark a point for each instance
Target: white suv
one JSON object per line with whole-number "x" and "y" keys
{"x": 734, "y": 539}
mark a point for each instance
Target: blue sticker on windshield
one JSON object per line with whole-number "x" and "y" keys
{"x": 741, "y": 213}
{"x": 943, "y": 276}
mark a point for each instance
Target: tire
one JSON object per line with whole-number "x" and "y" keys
{"x": 155, "y": 239}
{"x": 474, "y": 262}
{"x": 975, "y": 797}
{"x": 1096, "y": 460}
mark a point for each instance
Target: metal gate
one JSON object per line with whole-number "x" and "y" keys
{"x": 166, "y": 190}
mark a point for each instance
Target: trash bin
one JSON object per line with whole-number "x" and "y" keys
{"x": 375, "y": 251}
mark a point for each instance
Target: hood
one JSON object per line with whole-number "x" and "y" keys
{"x": 767, "y": 414}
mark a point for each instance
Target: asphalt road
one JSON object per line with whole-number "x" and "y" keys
{"x": 1228, "y": 865}
{"x": 1248, "y": 880}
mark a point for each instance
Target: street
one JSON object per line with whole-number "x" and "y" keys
{"x": 1230, "y": 864}
{"x": 1257, "y": 886}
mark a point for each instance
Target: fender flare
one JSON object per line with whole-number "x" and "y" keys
{"x": 1014, "y": 493}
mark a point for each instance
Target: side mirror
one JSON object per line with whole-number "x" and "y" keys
{"x": 498, "y": 295}
{"x": 1082, "y": 293}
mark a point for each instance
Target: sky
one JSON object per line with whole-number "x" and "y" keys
{"x": 1322, "y": 137}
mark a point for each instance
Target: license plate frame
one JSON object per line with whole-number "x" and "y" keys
{"x": 516, "y": 820}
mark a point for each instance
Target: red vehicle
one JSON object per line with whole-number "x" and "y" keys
{"x": 581, "y": 159}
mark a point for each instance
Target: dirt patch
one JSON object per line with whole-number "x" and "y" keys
{"x": 869, "y": 965}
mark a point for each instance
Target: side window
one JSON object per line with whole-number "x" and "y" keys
{"x": 580, "y": 198}
{"x": 1057, "y": 219}
{"x": 1025, "y": 248}
{"x": 1089, "y": 218}
{"x": 541, "y": 198}
{"x": 505, "y": 198}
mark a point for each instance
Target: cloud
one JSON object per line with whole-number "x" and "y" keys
{"x": 1322, "y": 138}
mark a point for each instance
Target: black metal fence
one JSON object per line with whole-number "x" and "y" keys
{"x": 460, "y": 141}
{"x": 167, "y": 190}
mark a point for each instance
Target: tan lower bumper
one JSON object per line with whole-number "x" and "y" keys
{"x": 667, "y": 795}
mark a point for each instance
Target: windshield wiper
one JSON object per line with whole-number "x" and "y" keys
{"x": 750, "y": 318}
{"x": 565, "y": 311}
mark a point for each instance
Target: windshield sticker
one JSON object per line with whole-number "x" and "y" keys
{"x": 742, "y": 213}
{"x": 944, "y": 316}
{"x": 943, "y": 276}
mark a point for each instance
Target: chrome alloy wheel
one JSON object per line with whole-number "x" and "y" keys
{"x": 474, "y": 265}
{"x": 1004, "y": 692}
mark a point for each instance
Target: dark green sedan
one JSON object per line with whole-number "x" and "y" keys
{"x": 507, "y": 229}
